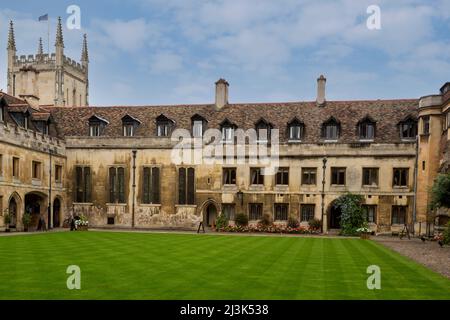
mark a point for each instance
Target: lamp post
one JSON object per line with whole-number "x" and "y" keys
{"x": 134, "y": 188}
{"x": 49, "y": 209}
{"x": 324, "y": 215}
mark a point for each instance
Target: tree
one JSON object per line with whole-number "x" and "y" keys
{"x": 440, "y": 192}
{"x": 353, "y": 214}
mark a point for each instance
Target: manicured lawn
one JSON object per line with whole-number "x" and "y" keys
{"x": 177, "y": 266}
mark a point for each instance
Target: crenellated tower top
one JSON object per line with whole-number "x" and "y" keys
{"x": 48, "y": 78}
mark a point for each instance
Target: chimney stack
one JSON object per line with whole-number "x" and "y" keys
{"x": 221, "y": 93}
{"x": 321, "y": 81}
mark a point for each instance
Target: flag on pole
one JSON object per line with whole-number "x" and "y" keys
{"x": 43, "y": 18}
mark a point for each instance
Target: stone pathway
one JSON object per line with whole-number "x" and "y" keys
{"x": 427, "y": 253}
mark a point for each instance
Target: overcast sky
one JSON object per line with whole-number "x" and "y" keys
{"x": 172, "y": 51}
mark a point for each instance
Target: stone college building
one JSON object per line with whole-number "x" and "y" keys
{"x": 114, "y": 165}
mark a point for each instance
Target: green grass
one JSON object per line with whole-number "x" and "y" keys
{"x": 178, "y": 266}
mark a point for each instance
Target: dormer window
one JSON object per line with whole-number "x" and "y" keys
{"x": 41, "y": 121}
{"x": 21, "y": 118}
{"x": 408, "y": 129}
{"x": 96, "y": 126}
{"x": 2, "y": 117}
{"x": 198, "y": 126}
{"x": 42, "y": 126}
{"x": 163, "y": 126}
{"x": 227, "y": 128}
{"x": 129, "y": 125}
{"x": 331, "y": 130}
{"x": 263, "y": 129}
{"x": 366, "y": 129}
{"x": 295, "y": 130}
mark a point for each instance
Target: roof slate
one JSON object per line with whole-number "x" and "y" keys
{"x": 73, "y": 121}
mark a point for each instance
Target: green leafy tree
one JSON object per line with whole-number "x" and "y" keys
{"x": 353, "y": 214}
{"x": 440, "y": 192}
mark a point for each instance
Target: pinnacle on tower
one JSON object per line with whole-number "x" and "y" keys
{"x": 84, "y": 51}
{"x": 59, "y": 34}
{"x": 40, "y": 51}
{"x": 11, "y": 38}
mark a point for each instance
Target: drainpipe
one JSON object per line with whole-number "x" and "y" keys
{"x": 324, "y": 216}
{"x": 416, "y": 169}
{"x": 50, "y": 191}
{"x": 134, "y": 189}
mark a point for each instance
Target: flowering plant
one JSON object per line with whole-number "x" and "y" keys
{"x": 438, "y": 237}
{"x": 363, "y": 230}
{"x": 272, "y": 228}
{"x": 83, "y": 221}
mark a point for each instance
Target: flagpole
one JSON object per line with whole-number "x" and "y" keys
{"x": 48, "y": 36}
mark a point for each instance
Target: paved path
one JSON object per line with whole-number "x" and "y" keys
{"x": 427, "y": 253}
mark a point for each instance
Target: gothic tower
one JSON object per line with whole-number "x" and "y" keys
{"x": 48, "y": 79}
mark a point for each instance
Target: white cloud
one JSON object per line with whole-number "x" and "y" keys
{"x": 129, "y": 36}
{"x": 165, "y": 62}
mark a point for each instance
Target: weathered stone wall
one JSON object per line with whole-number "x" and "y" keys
{"x": 101, "y": 153}
{"x": 29, "y": 146}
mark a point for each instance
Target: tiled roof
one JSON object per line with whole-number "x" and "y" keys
{"x": 73, "y": 121}
{"x": 41, "y": 116}
{"x": 11, "y": 100}
{"x": 18, "y": 105}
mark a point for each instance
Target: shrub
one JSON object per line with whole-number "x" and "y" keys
{"x": 446, "y": 234}
{"x": 440, "y": 192}
{"x": 221, "y": 222}
{"x": 293, "y": 222}
{"x": 241, "y": 219}
{"x": 26, "y": 220}
{"x": 7, "y": 219}
{"x": 266, "y": 220}
{"x": 315, "y": 224}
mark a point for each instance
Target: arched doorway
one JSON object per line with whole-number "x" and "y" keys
{"x": 56, "y": 213}
{"x": 12, "y": 210}
{"x": 210, "y": 215}
{"x": 35, "y": 205}
{"x": 335, "y": 217}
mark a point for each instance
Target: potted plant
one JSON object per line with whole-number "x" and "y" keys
{"x": 26, "y": 220}
{"x": 7, "y": 221}
{"x": 364, "y": 232}
{"x": 82, "y": 224}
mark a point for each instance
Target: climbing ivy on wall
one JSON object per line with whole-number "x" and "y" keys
{"x": 353, "y": 214}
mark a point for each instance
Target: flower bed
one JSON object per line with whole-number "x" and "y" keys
{"x": 270, "y": 229}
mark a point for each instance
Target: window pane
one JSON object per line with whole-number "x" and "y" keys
{"x": 146, "y": 186}
{"x": 198, "y": 128}
{"x": 182, "y": 186}
{"x": 155, "y": 186}
{"x": 281, "y": 212}
{"x": 191, "y": 186}
{"x": 307, "y": 212}
{"x": 121, "y": 185}
{"x": 112, "y": 185}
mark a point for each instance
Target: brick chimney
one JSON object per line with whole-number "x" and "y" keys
{"x": 221, "y": 93}
{"x": 321, "y": 81}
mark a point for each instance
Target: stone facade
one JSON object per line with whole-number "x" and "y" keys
{"x": 92, "y": 139}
